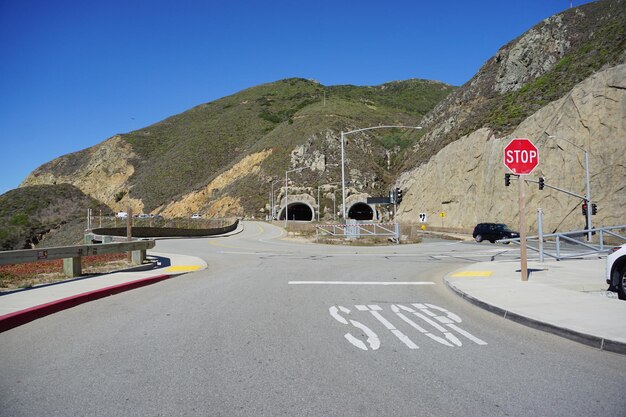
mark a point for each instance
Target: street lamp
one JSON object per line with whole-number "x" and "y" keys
{"x": 287, "y": 192}
{"x": 343, "y": 181}
{"x": 272, "y": 203}
{"x": 588, "y": 198}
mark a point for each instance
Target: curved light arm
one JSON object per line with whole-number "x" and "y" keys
{"x": 560, "y": 138}
{"x": 382, "y": 127}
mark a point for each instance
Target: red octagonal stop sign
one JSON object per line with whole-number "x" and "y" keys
{"x": 521, "y": 156}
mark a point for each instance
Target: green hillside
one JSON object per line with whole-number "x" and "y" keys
{"x": 28, "y": 213}
{"x": 184, "y": 152}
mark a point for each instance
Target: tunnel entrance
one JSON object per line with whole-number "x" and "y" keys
{"x": 360, "y": 211}
{"x": 298, "y": 212}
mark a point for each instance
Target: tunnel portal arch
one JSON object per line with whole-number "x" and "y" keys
{"x": 298, "y": 211}
{"x": 361, "y": 211}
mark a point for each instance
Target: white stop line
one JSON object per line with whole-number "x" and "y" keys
{"x": 361, "y": 283}
{"x": 441, "y": 320}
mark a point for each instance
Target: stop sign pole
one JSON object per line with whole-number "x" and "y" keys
{"x": 521, "y": 157}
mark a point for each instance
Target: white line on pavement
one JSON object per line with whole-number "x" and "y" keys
{"x": 360, "y": 283}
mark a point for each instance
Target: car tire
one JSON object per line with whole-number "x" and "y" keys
{"x": 492, "y": 241}
{"x": 621, "y": 283}
{"x": 479, "y": 238}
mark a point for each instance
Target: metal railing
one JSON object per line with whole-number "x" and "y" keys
{"x": 552, "y": 244}
{"x": 72, "y": 255}
{"x": 356, "y": 230}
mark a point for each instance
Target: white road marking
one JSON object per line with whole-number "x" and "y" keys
{"x": 361, "y": 283}
{"x": 420, "y": 310}
{"x": 372, "y": 338}
{"x": 374, "y": 310}
{"x": 396, "y": 309}
{"x": 468, "y": 335}
{"x": 251, "y": 253}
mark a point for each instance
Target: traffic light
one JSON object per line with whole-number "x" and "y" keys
{"x": 584, "y": 207}
{"x": 398, "y": 196}
{"x": 541, "y": 183}
{"x": 594, "y": 209}
{"x": 507, "y": 180}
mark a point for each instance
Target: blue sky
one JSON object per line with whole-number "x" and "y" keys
{"x": 74, "y": 73}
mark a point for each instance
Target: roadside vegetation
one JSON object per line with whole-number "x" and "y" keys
{"x": 27, "y": 214}
{"x": 31, "y": 274}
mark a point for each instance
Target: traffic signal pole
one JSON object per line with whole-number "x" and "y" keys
{"x": 589, "y": 227}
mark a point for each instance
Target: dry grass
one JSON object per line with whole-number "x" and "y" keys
{"x": 28, "y": 275}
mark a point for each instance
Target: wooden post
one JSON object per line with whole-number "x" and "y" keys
{"x": 522, "y": 227}
{"x": 129, "y": 231}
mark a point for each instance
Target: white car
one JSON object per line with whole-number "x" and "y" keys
{"x": 121, "y": 214}
{"x": 616, "y": 271}
{"x": 196, "y": 216}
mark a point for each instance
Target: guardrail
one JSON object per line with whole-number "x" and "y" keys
{"x": 573, "y": 238}
{"x": 71, "y": 255}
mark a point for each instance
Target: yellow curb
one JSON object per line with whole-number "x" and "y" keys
{"x": 183, "y": 268}
{"x": 473, "y": 274}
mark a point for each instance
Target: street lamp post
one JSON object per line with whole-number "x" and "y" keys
{"x": 287, "y": 192}
{"x": 343, "y": 181}
{"x": 272, "y": 202}
{"x": 588, "y": 197}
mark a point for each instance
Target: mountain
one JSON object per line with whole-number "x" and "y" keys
{"x": 538, "y": 67}
{"x": 564, "y": 76}
{"x": 234, "y": 146}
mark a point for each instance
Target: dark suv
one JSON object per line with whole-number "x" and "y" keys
{"x": 493, "y": 232}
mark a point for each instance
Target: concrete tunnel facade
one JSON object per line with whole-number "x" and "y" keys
{"x": 298, "y": 211}
{"x": 361, "y": 211}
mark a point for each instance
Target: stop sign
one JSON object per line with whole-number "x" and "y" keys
{"x": 521, "y": 156}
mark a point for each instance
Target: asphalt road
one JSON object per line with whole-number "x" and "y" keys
{"x": 254, "y": 336}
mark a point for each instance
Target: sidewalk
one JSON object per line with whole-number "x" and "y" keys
{"x": 22, "y": 306}
{"x": 562, "y": 297}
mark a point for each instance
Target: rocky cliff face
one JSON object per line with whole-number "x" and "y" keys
{"x": 101, "y": 172}
{"x": 538, "y": 67}
{"x": 465, "y": 180}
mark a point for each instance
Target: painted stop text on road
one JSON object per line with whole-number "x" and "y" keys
{"x": 428, "y": 324}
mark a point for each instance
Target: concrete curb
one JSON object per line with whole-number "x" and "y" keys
{"x": 15, "y": 319}
{"x": 586, "y": 339}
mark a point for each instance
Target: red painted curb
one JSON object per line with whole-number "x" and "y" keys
{"x": 11, "y": 320}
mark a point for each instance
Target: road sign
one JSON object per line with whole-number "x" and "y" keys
{"x": 378, "y": 200}
{"x": 521, "y": 156}
{"x": 442, "y": 214}
{"x": 422, "y": 217}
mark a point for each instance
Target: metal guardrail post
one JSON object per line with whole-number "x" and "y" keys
{"x": 137, "y": 256}
{"x": 72, "y": 267}
{"x": 540, "y": 233}
{"x": 601, "y": 239}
